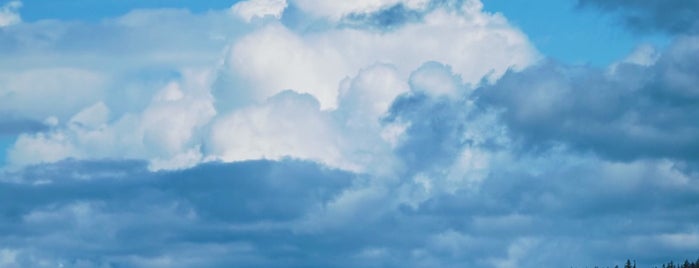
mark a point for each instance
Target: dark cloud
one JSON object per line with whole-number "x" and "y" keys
{"x": 118, "y": 213}
{"x": 629, "y": 113}
{"x": 434, "y": 137}
{"x": 385, "y": 19}
{"x": 395, "y": 16}
{"x": 12, "y": 125}
{"x": 261, "y": 213}
{"x": 672, "y": 16}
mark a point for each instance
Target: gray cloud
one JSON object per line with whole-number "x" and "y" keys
{"x": 11, "y": 125}
{"x": 386, "y": 19}
{"x": 633, "y": 112}
{"x": 116, "y": 214}
{"x": 434, "y": 137}
{"x": 672, "y": 16}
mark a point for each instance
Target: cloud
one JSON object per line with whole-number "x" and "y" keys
{"x": 635, "y": 111}
{"x": 321, "y": 59}
{"x": 33, "y": 93}
{"x": 348, "y": 137}
{"x": 259, "y": 9}
{"x": 258, "y": 212}
{"x": 336, "y": 10}
{"x": 11, "y": 125}
{"x": 130, "y": 213}
{"x": 189, "y": 101}
{"x": 9, "y": 15}
{"x": 254, "y": 133}
{"x": 674, "y": 16}
{"x": 135, "y": 55}
{"x": 167, "y": 132}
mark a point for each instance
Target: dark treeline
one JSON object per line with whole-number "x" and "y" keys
{"x": 671, "y": 264}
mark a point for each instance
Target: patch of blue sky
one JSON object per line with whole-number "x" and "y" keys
{"x": 91, "y": 10}
{"x": 563, "y": 31}
{"x": 6, "y": 142}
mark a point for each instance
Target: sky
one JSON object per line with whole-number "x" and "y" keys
{"x": 369, "y": 133}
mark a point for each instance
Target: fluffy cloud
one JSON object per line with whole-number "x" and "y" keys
{"x": 289, "y": 124}
{"x": 349, "y": 137}
{"x": 351, "y": 76}
{"x": 474, "y": 43}
{"x": 165, "y": 132}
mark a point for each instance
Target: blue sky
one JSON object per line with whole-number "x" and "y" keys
{"x": 565, "y": 31}
{"x": 560, "y": 29}
{"x": 87, "y": 10}
{"x": 377, "y": 133}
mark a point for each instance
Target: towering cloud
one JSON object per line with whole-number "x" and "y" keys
{"x": 179, "y": 128}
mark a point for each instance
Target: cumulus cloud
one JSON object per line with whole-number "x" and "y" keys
{"x": 166, "y": 132}
{"x": 33, "y": 93}
{"x": 256, "y": 132}
{"x": 474, "y": 43}
{"x": 201, "y": 111}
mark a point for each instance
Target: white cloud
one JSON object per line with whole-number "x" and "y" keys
{"x": 166, "y": 132}
{"x": 250, "y": 9}
{"x": 365, "y": 98}
{"x": 352, "y": 76}
{"x": 473, "y": 43}
{"x": 40, "y": 148}
{"x": 436, "y": 79}
{"x": 288, "y": 125}
{"x": 9, "y": 15}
